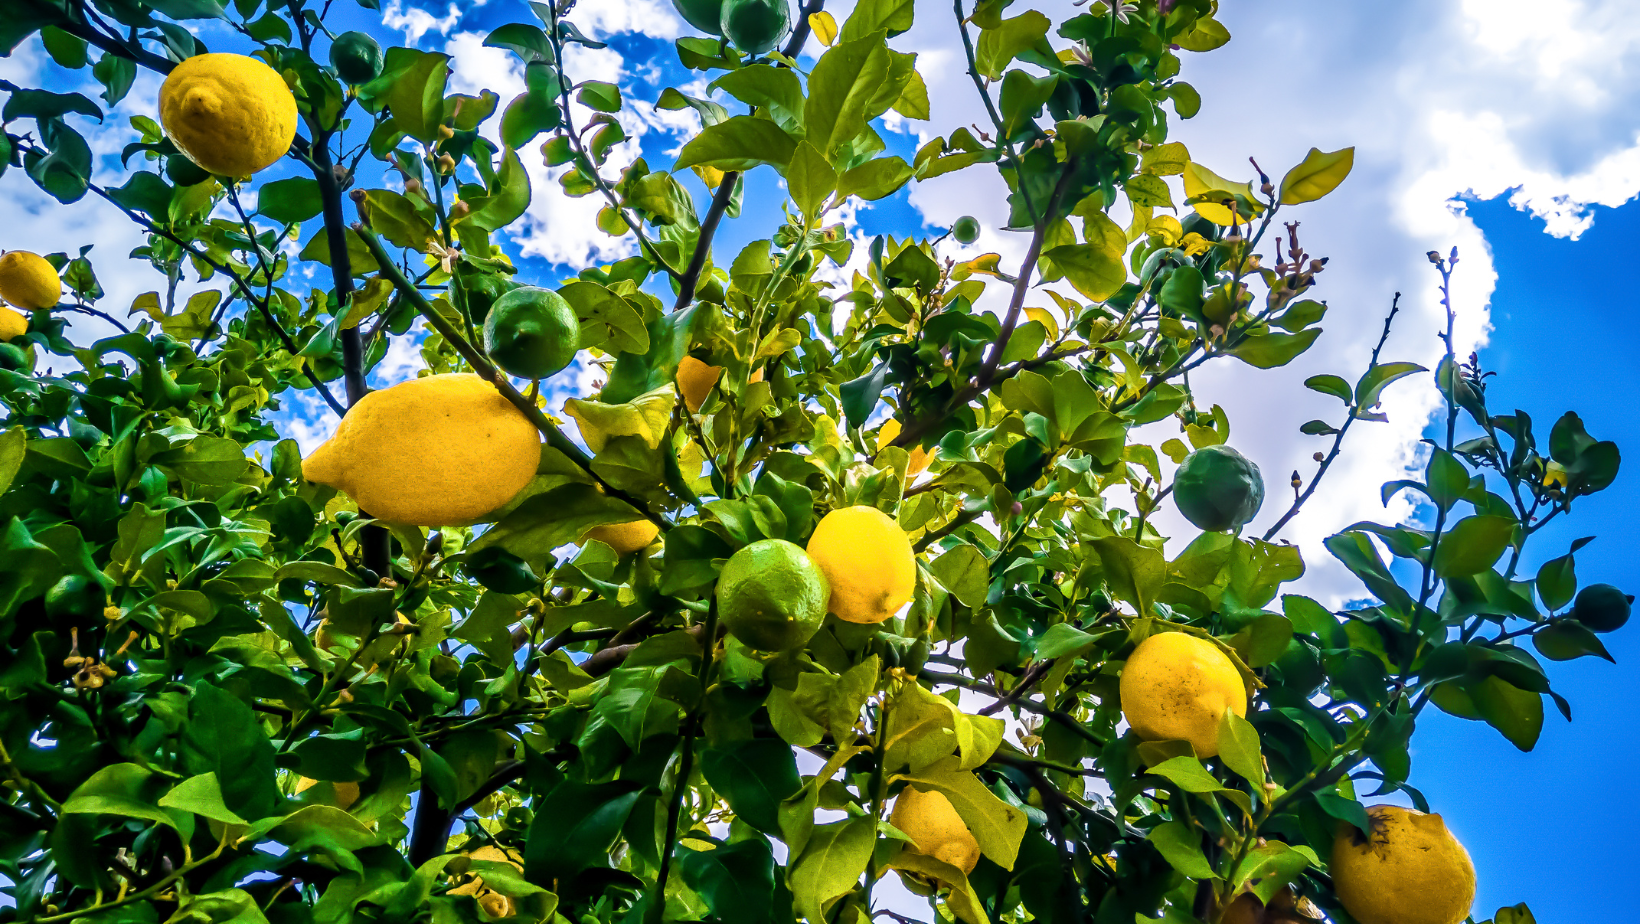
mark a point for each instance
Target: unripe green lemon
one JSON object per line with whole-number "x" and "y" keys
{"x": 756, "y": 26}
{"x": 1217, "y": 488}
{"x": 13, "y": 357}
{"x": 532, "y": 332}
{"x": 75, "y": 597}
{"x": 1602, "y": 607}
{"x": 705, "y": 15}
{"x": 500, "y": 570}
{"x": 483, "y": 291}
{"x": 966, "y": 229}
{"x": 772, "y": 596}
{"x": 356, "y": 57}
{"x": 184, "y": 172}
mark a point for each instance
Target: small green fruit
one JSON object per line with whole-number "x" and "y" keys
{"x": 532, "y": 332}
{"x": 1218, "y": 489}
{"x": 13, "y": 357}
{"x": 772, "y": 596}
{"x": 356, "y": 57}
{"x": 183, "y": 172}
{"x": 75, "y": 597}
{"x": 1602, "y": 607}
{"x": 705, "y": 15}
{"x": 500, "y": 570}
{"x": 482, "y": 292}
{"x": 966, "y": 229}
{"x": 756, "y": 26}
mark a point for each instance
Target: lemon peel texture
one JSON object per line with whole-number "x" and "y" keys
{"x": 1177, "y": 686}
{"x": 625, "y": 538}
{"x": 868, "y": 560}
{"x": 231, "y": 114}
{"x": 28, "y": 281}
{"x": 932, "y": 823}
{"x": 436, "y": 451}
{"x": 1410, "y": 871}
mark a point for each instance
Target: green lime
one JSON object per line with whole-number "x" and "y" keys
{"x": 966, "y": 229}
{"x": 1218, "y": 489}
{"x": 356, "y": 57}
{"x": 500, "y": 570}
{"x": 75, "y": 597}
{"x": 13, "y": 357}
{"x": 184, "y": 172}
{"x": 532, "y": 333}
{"x": 756, "y": 26}
{"x": 705, "y": 15}
{"x": 772, "y": 596}
{"x": 482, "y": 291}
{"x": 1602, "y": 607}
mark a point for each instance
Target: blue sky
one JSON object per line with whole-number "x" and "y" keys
{"x": 1529, "y": 108}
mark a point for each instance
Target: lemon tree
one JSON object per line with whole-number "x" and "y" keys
{"x": 848, "y": 568}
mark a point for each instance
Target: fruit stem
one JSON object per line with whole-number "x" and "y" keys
{"x": 555, "y": 437}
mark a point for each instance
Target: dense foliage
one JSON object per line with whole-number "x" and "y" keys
{"x": 227, "y": 694}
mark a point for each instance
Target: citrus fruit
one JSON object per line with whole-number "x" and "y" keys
{"x": 435, "y": 451}
{"x": 76, "y": 597}
{"x": 1218, "y": 489}
{"x": 966, "y": 229}
{"x": 625, "y": 538}
{"x": 772, "y": 596}
{"x": 231, "y": 114}
{"x": 356, "y": 57}
{"x": 705, "y": 15}
{"x": 482, "y": 292}
{"x": 919, "y": 456}
{"x": 756, "y": 26}
{"x": 695, "y": 381}
{"x": 1410, "y": 871}
{"x": 13, "y": 324}
{"x": 184, "y": 172}
{"x": 532, "y": 332}
{"x": 868, "y": 560}
{"x": 343, "y": 795}
{"x": 28, "y": 281}
{"x": 493, "y": 903}
{"x": 932, "y": 823}
{"x": 1602, "y": 607}
{"x": 12, "y": 356}
{"x": 500, "y": 570}
{"x": 1175, "y": 687}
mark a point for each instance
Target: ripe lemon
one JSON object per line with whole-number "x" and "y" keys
{"x": 12, "y": 324}
{"x": 919, "y": 458}
{"x": 28, "y": 281}
{"x": 532, "y": 332}
{"x": 1176, "y": 687}
{"x": 1410, "y": 871}
{"x": 772, "y": 596}
{"x": 624, "y": 538}
{"x": 695, "y": 381}
{"x": 932, "y": 823}
{"x": 1217, "y": 488}
{"x": 436, "y": 451}
{"x": 868, "y": 560}
{"x": 231, "y": 114}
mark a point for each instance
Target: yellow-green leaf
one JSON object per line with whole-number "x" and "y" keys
{"x": 645, "y": 416}
{"x": 824, "y": 27}
{"x": 1318, "y": 175}
{"x": 997, "y": 826}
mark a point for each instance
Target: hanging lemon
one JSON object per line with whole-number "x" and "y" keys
{"x": 868, "y": 560}
{"x": 28, "y": 281}
{"x": 231, "y": 114}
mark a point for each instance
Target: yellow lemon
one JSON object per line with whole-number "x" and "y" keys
{"x": 1177, "y": 686}
{"x": 345, "y": 794}
{"x": 436, "y": 451}
{"x": 28, "y": 281}
{"x": 868, "y": 561}
{"x": 492, "y": 902}
{"x": 13, "y": 324}
{"x": 1410, "y": 871}
{"x": 231, "y": 114}
{"x": 695, "y": 381}
{"x": 919, "y": 458}
{"x": 932, "y": 823}
{"x": 624, "y": 538}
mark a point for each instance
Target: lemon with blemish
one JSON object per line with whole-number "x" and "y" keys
{"x": 1409, "y": 870}
{"x": 1176, "y": 687}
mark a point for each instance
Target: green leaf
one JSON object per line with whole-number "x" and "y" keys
{"x": 740, "y": 143}
{"x": 997, "y": 47}
{"x": 509, "y": 196}
{"x": 997, "y": 825}
{"x": 774, "y": 90}
{"x": 875, "y": 179}
{"x": 1062, "y": 639}
{"x": 557, "y": 517}
{"x": 1473, "y": 545}
{"x": 206, "y": 460}
{"x": 737, "y": 881}
{"x": 1447, "y": 479}
{"x": 1273, "y": 865}
{"x": 892, "y": 16}
{"x": 224, "y": 737}
{"x": 841, "y": 87}
{"x": 1331, "y": 385}
{"x": 1239, "y": 748}
{"x": 412, "y": 86}
{"x": 290, "y": 200}
{"x": 1556, "y": 581}
{"x": 1516, "y": 713}
{"x": 524, "y": 40}
{"x": 608, "y": 321}
{"x": 201, "y": 795}
{"x": 1133, "y": 572}
{"x": 575, "y": 824}
{"x": 1181, "y": 847}
{"x": 121, "y": 789}
{"x": 754, "y": 777}
{"x": 1147, "y": 191}
{"x": 860, "y": 396}
{"x": 1356, "y": 551}
{"x": 1374, "y": 381}
{"x": 1092, "y": 269}
{"x": 831, "y": 862}
{"x": 1267, "y": 351}
{"x": 810, "y": 178}
{"x": 1316, "y": 176}
{"x": 1564, "y": 641}
{"x": 964, "y": 572}
{"x": 13, "y": 449}
{"x": 599, "y": 96}
{"x": 1187, "y": 773}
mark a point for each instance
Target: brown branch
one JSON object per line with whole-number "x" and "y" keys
{"x": 1029, "y": 679}
{"x": 703, "y": 244}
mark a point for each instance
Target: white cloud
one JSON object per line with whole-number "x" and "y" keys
{"x": 654, "y": 18}
{"x": 416, "y": 22}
